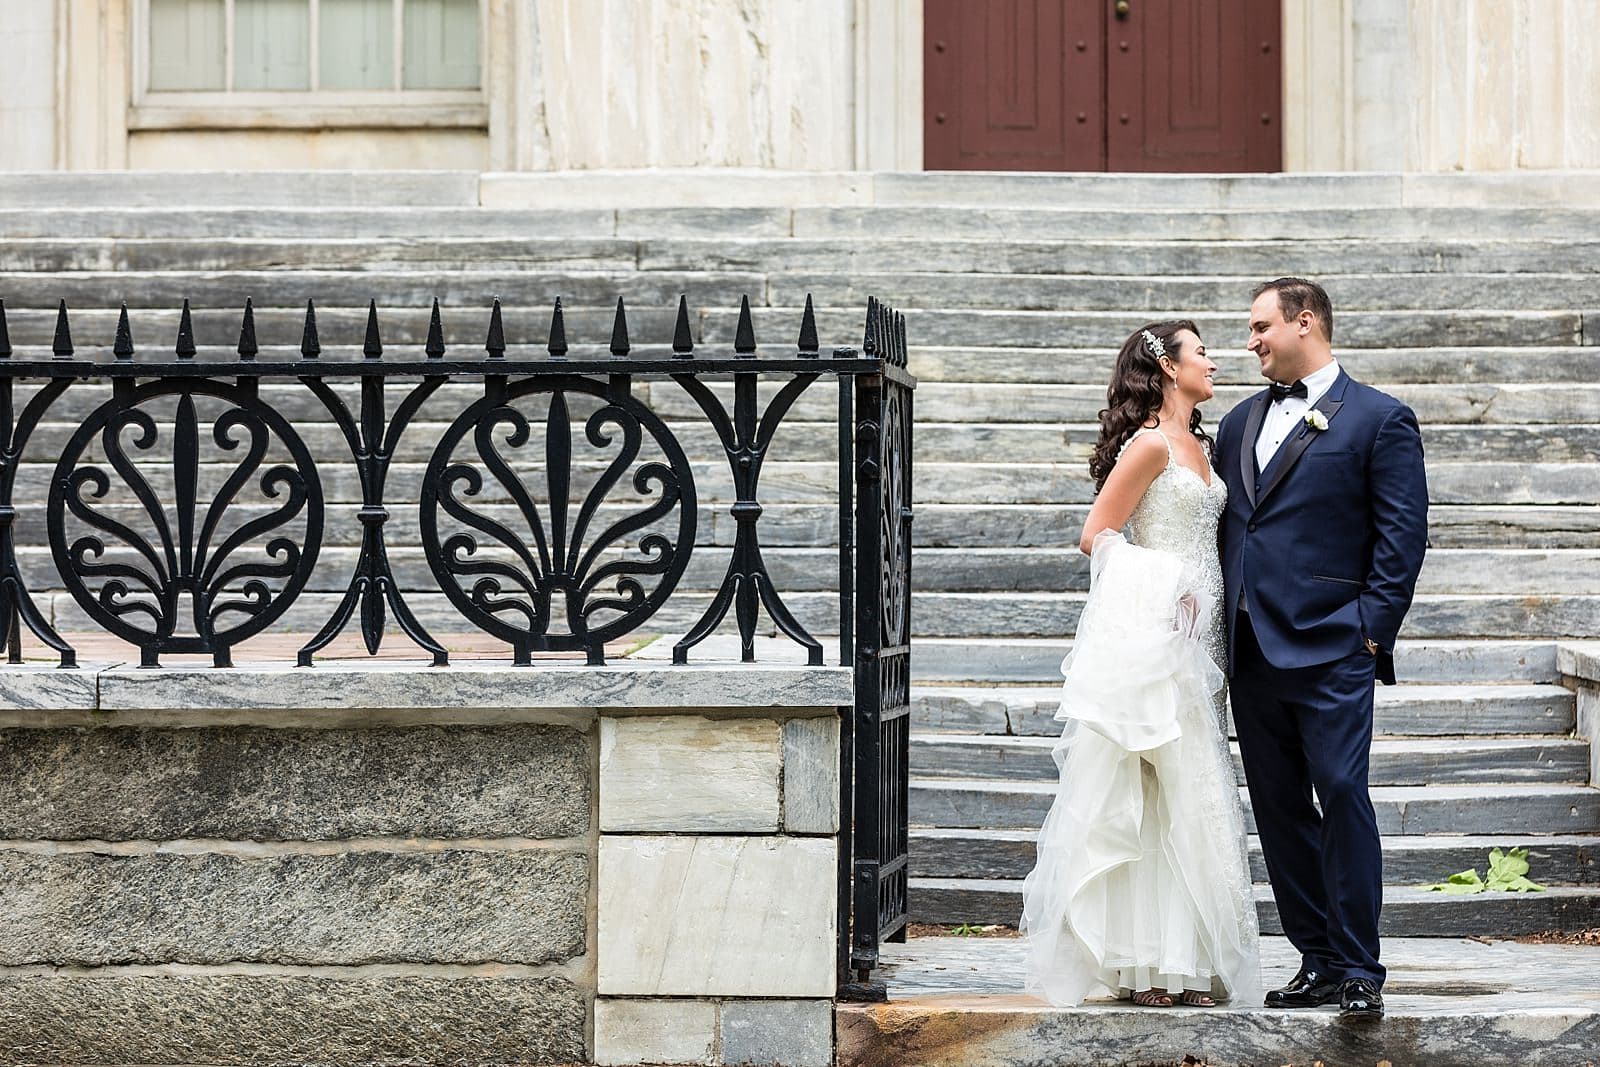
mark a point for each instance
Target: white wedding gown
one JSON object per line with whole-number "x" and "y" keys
{"x": 1142, "y": 879}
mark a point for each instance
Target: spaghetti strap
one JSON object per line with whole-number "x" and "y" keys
{"x": 1140, "y": 432}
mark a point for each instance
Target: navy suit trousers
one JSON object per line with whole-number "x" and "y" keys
{"x": 1300, "y": 729}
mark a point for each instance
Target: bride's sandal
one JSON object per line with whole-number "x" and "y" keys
{"x": 1152, "y": 998}
{"x": 1193, "y": 998}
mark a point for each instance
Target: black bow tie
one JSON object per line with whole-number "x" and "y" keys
{"x": 1283, "y": 392}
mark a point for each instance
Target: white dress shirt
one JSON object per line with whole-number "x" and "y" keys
{"x": 1284, "y": 416}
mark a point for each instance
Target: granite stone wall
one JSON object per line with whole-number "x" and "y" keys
{"x": 412, "y": 865}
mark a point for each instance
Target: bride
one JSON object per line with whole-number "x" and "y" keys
{"x": 1142, "y": 886}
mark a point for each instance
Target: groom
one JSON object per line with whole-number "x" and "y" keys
{"x": 1324, "y": 533}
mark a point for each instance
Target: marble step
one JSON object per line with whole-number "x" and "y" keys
{"x": 64, "y": 219}
{"x": 976, "y": 661}
{"x": 814, "y": 482}
{"x": 298, "y": 190}
{"x": 1449, "y": 525}
{"x": 1028, "y": 615}
{"x": 1206, "y": 291}
{"x": 1411, "y": 710}
{"x": 1407, "y": 912}
{"x": 1382, "y": 367}
{"x": 1407, "y": 860}
{"x": 1006, "y": 223}
{"x": 1132, "y": 255}
{"x": 940, "y": 614}
{"x": 1236, "y": 191}
{"x": 1449, "y": 1002}
{"x": 1000, "y": 403}
{"x": 34, "y": 323}
{"x": 854, "y": 256}
{"x": 1409, "y": 761}
{"x": 1031, "y": 366}
{"x": 1127, "y": 295}
{"x": 979, "y": 526}
{"x": 806, "y": 569}
{"x": 954, "y": 442}
{"x": 1498, "y": 808}
{"x": 1065, "y": 416}
{"x": 285, "y": 289}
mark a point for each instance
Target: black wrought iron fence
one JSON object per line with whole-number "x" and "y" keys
{"x": 185, "y": 511}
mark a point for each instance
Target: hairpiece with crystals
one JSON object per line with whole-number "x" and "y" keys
{"x": 1155, "y": 343}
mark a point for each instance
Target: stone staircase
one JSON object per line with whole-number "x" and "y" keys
{"x": 1484, "y": 318}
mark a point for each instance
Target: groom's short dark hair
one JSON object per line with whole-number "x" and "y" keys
{"x": 1301, "y": 294}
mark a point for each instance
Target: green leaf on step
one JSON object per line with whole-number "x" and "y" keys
{"x": 1461, "y": 883}
{"x": 1508, "y": 872}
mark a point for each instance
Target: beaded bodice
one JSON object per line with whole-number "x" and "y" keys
{"x": 1179, "y": 514}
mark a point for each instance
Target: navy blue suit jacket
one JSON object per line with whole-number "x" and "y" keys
{"x": 1324, "y": 546}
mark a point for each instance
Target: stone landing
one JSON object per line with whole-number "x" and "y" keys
{"x": 958, "y": 1002}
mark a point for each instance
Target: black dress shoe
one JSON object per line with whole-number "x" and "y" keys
{"x": 1360, "y": 1001}
{"x": 1307, "y": 989}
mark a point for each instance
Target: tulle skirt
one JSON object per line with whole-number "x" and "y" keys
{"x": 1142, "y": 879}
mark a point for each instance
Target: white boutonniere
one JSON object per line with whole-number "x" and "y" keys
{"x": 1316, "y": 420}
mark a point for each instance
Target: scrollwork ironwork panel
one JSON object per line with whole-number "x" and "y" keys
{"x": 561, "y": 582}
{"x": 193, "y": 575}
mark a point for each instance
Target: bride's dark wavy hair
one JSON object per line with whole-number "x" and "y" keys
{"x": 1134, "y": 396}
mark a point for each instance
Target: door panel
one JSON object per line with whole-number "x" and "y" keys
{"x": 1140, "y": 85}
{"x": 1014, "y": 85}
{"x": 1194, "y": 85}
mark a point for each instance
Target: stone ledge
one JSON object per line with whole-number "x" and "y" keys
{"x": 483, "y": 685}
{"x": 88, "y": 909}
{"x": 1579, "y": 659}
{"x": 281, "y": 1020}
{"x": 261, "y": 784}
{"x": 39, "y": 686}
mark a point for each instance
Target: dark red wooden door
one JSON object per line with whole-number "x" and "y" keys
{"x": 1014, "y": 85}
{"x": 1194, "y": 85}
{"x": 1139, "y": 85}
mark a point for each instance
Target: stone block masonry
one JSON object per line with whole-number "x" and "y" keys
{"x": 468, "y": 865}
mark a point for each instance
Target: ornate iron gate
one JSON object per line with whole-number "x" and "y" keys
{"x": 880, "y": 731}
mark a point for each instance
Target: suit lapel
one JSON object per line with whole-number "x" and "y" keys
{"x": 1247, "y": 447}
{"x": 1291, "y": 451}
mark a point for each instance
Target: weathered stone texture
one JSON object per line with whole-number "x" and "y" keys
{"x": 293, "y": 784}
{"x": 629, "y": 1031}
{"x": 450, "y": 906}
{"x": 689, "y": 773}
{"x": 473, "y": 685}
{"x": 717, "y": 916}
{"x": 811, "y": 775}
{"x": 794, "y": 1033}
{"x": 262, "y": 1020}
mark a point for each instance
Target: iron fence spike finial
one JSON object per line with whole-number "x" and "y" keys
{"x": 808, "y": 329}
{"x": 435, "y": 345}
{"x": 744, "y": 338}
{"x": 61, "y": 345}
{"x": 247, "y": 332}
{"x": 122, "y": 348}
{"x": 619, "y": 331}
{"x": 682, "y": 336}
{"x": 310, "y": 346}
{"x": 558, "y": 332}
{"x": 495, "y": 343}
{"x": 869, "y": 339}
{"x": 185, "y": 346}
{"x": 5, "y": 334}
{"x": 372, "y": 347}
